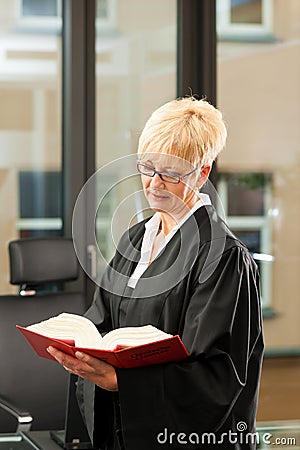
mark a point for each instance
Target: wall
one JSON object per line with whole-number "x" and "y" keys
{"x": 258, "y": 92}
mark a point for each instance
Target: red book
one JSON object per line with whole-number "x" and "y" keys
{"x": 166, "y": 349}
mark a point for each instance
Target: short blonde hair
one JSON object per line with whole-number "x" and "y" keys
{"x": 188, "y": 128}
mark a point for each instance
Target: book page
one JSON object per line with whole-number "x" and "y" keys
{"x": 132, "y": 336}
{"x": 72, "y": 327}
{"x": 67, "y": 326}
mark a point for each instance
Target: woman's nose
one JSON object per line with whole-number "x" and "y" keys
{"x": 156, "y": 181}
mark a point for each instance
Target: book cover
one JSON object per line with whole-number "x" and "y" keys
{"x": 170, "y": 349}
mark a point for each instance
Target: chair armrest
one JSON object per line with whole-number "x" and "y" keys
{"x": 24, "y": 417}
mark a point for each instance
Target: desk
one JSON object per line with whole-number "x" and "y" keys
{"x": 286, "y": 433}
{"x": 43, "y": 440}
{"x": 34, "y": 440}
{"x": 282, "y": 434}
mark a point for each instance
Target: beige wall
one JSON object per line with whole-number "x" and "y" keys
{"x": 259, "y": 92}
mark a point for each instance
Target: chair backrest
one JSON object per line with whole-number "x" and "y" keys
{"x": 37, "y": 384}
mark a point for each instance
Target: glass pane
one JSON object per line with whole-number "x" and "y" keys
{"x": 102, "y": 8}
{"x": 252, "y": 239}
{"x": 39, "y": 194}
{"x": 30, "y": 128}
{"x": 38, "y": 8}
{"x": 136, "y": 73}
{"x": 246, "y": 194}
{"x": 246, "y": 11}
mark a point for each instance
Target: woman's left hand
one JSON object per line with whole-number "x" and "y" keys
{"x": 88, "y": 367}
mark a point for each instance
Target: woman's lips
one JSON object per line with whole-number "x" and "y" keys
{"x": 159, "y": 196}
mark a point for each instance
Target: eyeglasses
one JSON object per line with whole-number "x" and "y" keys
{"x": 165, "y": 176}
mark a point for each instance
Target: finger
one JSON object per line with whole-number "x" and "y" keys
{"x": 91, "y": 361}
{"x": 55, "y": 352}
{"x": 83, "y": 357}
{"x": 61, "y": 357}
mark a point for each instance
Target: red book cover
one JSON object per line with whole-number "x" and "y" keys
{"x": 159, "y": 352}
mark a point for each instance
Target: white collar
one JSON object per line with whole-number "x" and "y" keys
{"x": 151, "y": 230}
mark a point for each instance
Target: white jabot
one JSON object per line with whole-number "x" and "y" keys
{"x": 151, "y": 231}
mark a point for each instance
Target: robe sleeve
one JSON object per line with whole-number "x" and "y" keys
{"x": 221, "y": 331}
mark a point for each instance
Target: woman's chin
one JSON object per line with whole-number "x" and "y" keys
{"x": 158, "y": 207}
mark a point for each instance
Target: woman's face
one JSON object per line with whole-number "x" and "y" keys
{"x": 174, "y": 199}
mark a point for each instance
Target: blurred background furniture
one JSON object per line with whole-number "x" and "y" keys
{"x": 31, "y": 386}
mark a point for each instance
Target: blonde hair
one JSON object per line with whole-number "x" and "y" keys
{"x": 188, "y": 128}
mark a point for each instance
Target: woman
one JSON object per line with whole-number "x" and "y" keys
{"x": 186, "y": 273}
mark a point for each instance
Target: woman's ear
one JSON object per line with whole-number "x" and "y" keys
{"x": 204, "y": 173}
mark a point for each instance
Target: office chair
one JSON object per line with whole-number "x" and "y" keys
{"x": 27, "y": 381}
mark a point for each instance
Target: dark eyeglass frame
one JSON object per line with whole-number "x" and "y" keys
{"x": 177, "y": 178}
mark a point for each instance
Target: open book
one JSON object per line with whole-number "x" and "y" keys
{"x": 123, "y": 347}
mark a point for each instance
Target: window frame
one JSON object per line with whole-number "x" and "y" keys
{"x": 254, "y": 223}
{"x": 244, "y": 31}
{"x": 40, "y": 22}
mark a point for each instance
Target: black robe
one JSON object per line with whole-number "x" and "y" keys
{"x": 203, "y": 286}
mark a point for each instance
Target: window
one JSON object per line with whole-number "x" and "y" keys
{"x": 40, "y": 205}
{"x": 37, "y": 8}
{"x": 30, "y": 123}
{"x": 245, "y": 19}
{"x": 263, "y": 137}
{"x": 245, "y": 198}
{"x": 135, "y": 73}
{"x": 105, "y": 15}
{"x": 38, "y": 14}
